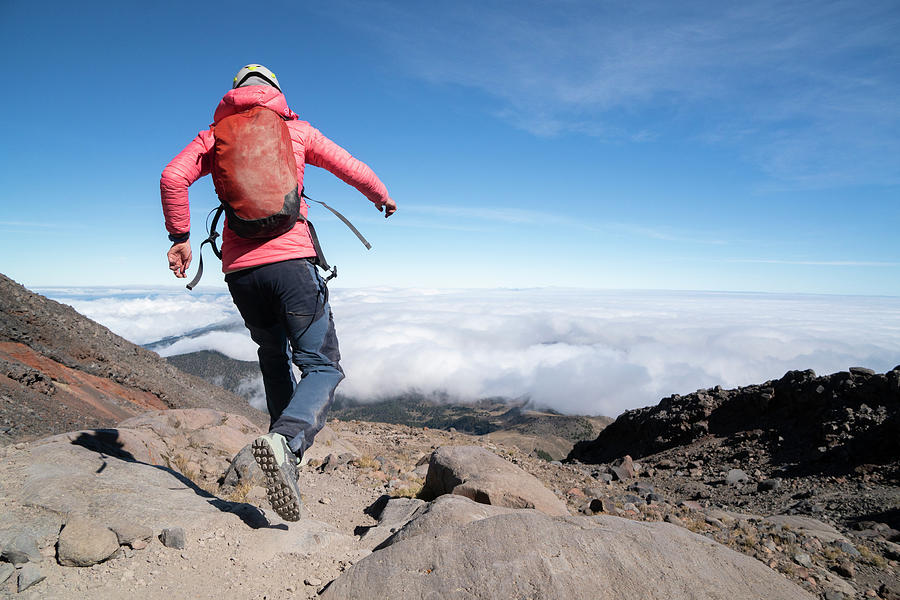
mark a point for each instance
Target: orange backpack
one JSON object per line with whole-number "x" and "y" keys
{"x": 255, "y": 173}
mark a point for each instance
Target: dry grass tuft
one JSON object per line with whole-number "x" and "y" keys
{"x": 411, "y": 491}
{"x": 367, "y": 461}
{"x": 239, "y": 492}
{"x": 870, "y": 557}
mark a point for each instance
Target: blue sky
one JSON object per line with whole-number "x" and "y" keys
{"x": 658, "y": 145}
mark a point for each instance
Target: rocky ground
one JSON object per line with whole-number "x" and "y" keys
{"x": 244, "y": 552}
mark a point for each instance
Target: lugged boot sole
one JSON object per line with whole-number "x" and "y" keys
{"x": 284, "y": 498}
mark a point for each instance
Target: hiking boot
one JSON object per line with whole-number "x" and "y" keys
{"x": 279, "y": 465}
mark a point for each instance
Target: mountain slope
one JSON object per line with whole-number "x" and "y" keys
{"x": 61, "y": 371}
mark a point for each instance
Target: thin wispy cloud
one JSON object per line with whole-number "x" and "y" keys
{"x": 818, "y": 263}
{"x": 579, "y": 351}
{"x": 513, "y": 216}
{"x": 807, "y": 89}
{"x": 19, "y": 225}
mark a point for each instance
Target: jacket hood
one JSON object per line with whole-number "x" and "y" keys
{"x": 245, "y": 98}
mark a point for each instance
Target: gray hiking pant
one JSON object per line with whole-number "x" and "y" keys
{"x": 285, "y": 307}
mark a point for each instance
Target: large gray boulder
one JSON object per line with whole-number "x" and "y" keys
{"x": 531, "y": 555}
{"x": 481, "y": 475}
{"x": 449, "y": 510}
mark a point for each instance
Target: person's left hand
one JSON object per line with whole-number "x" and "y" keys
{"x": 179, "y": 256}
{"x": 389, "y": 207}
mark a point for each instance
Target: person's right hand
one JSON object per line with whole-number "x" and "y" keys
{"x": 179, "y": 256}
{"x": 389, "y": 207}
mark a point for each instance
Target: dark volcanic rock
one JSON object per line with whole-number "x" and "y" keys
{"x": 172, "y": 537}
{"x": 806, "y": 423}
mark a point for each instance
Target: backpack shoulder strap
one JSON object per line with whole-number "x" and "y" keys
{"x": 211, "y": 240}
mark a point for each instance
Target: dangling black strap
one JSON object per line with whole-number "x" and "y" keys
{"x": 344, "y": 219}
{"x": 320, "y": 260}
{"x": 211, "y": 240}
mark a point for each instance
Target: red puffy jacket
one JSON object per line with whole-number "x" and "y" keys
{"x": 310, "y": 147}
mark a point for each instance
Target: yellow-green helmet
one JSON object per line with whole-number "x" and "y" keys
{"x": 255, "y": 71}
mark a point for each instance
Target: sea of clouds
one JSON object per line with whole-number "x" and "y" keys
{"x": 578, "y": 351}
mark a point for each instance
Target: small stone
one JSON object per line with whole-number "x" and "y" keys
{"x": 834, "y": 595}
{"x": 861, "y": 371}
{"x": 601, "y": 505}
{"x": 714, "y": 522}
{"x": 129, "y": 533}
{"x": 20, "y": 549}
{"x": 84, "y": 542}
{"x": 736, "y": 476}
{"x": 624, "y": 469}
{"x": 767, "y": 485}
{"x": 845, "y": 568}
{"x": 801, "y": 558}
{"x": 847, "y": 548}
{"x": 641, "y": 487}
{"x": 6, "y": 570}
{"x": 674, "y": 520}
{"x": 29, "y": 575}
{"x": 138, "y": 544}
{"x": 172, "y": 537}
{"x": 891, "y": 550}
{"x": 313, "y": 581}
{"x": 325, "y": 501}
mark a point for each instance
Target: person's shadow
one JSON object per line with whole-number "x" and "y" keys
{"x": 106, "y": 443}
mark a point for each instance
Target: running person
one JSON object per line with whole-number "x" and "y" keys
{"x": 274, "y": 283}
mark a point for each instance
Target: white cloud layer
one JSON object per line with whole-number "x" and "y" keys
{"x": 579, "y": 351}
{"x": 144, "y": 316}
